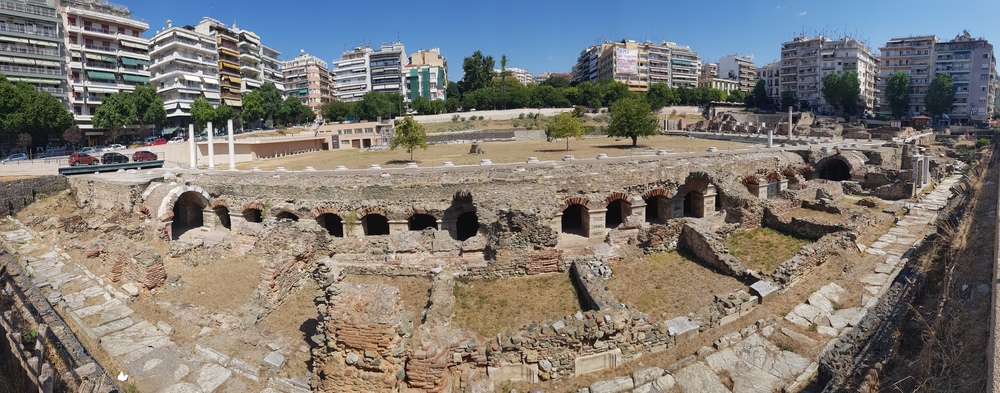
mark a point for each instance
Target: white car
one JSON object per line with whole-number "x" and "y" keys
{"x": 114, "y": 147}
{"x": 176, "y": 139}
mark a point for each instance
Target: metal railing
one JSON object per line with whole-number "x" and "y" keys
{"x": 29, "y": 9}
{"x": 28, "y": 50}
{"x": 50, "y": 32}
{"x": 29, "y": 70}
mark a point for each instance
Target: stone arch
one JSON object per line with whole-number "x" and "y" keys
{"x": 286, "y": 215}
{"x": 793, "y": 177}
{"x": 371, "y": 210}
{"x": 167, "y": 204}
{"x": 698, "y": 195}
{"x": 461, "y": 219}
{"x": 253, "y": 212}
{"x": 619, "y": 206}
{"x": 576, "y": 219}
{"x": 375, "y": 224}
{"x": 333, "y": 224}
{"x": 575, "y": 201}
{"x": 835, "y": 168}
{"x": 657, "y": 205}
{"x": 188, "y": 212}
{"x": 421, "y": 221}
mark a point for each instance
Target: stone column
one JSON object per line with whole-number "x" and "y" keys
{"x": 918, "y": 171}
{"x": 789, "y": 123}
{"x": 232, "y": 151}
{"x": 194, "y": 148}
{"x": 770, "y": 137}
{"x": 926, "y": 172}
{"x": 211, "y": 146}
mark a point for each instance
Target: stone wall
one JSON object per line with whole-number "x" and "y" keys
{"x": 141, "y": 264}
{"x": 808, "y": 228}
{"x": 18, "y": 193}
{"x": 708, "y": 246}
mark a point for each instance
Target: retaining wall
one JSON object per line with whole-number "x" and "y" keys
{"x": 18, "y": 193}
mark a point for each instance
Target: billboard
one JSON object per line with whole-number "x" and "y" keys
{"x": 626, "y": 61}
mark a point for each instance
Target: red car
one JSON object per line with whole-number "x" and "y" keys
{"x": 157, "y": 142}
{"x": 144, "y": 155}
{"x": 83, "y": 159}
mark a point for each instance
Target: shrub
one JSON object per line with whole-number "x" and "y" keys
{"x": 520, "y": 116}
{"x": 981, "y": 143}
{"x": 455, "y": 118}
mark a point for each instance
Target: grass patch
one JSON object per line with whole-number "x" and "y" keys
{"x": 817, "y": 215}
{"x": 667, "y": 285}
{"x": 763, "y": 249}
{"x": 493, "y": 306}
{"x": 415, "y": 291}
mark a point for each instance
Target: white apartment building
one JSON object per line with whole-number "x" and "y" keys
{"x": 30, "y": 45}
{"x": 106, "y": 55}
{"x": 586, "y": 68}
{"x": 184, "y": 67}
{"x": 740, "y": 69}
{"x": 270, "y": 67}
{"x": 805, "y": 61}
{"x": 351, "y": 74}
{"x": 684, "y": 65}
{"x": 913, "y": 56}
{"x": 386, "y": 68}
{"x": 771, "y": 75}
{"x": 520, "y": 74}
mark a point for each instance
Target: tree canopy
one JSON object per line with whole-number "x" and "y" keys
{"x": 336, "y": 110}
{"x": 375, "y": 105}
{"x": 410, "y": 135}
{"x": 202, "y": 112}
{"x": 842, "y": 92}
{"x": 477, "y": 71}
{"x": 565, "y": 125}
{"x": 940, "y": 95}
{"x": 759, "y": 97}
{"x": 897, "y": 93}
{"x": 293, "y": 111}
{"x": 24, "y": 109}
{"x": 116, "y": 112}
{"x": 631, "y": 117}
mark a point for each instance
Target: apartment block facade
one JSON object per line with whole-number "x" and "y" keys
{"x": 351, "y": 74}
{"x": 740, "y": 69}
{"x": 972, "y": 66}
{"x": 386, "y": 66}
{"x": 307, "y": 78}
{"x": 638, "y": 65}
{"x": 107, "y": 55}
{"x": 684, "y": 65}
{"x": 32, "y": 47}
{"x": 228, "y": 45}
{"x": 913, "y": 56}
{"x": 523, "y": 76}
{"x": 770, "y": 73}
{"x": 585, "y": 69}
{"x": 805, "y": 61}
{"x": 548, "y": 75}
{"x": 427, "y": 75}
{"x": 184, "y": 67}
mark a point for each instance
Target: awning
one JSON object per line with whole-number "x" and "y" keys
{"x": 100, "y": 75}
{"x": 185, "y": 105}
{"x": 253, "y": 83}
{"x": 46, "y": 63}
{"x": 211, "y": 81}
{"x": 133, "y": 62}
{"x": 135, "y": 78}
{"x": 234, "y": 79}
{"x": 191, "y": 78}
{"x": 105, "y": 90}
{"x": 15, "y": 60}
{"x": 15, "y": 39}
{"x": 279, "y": 86}
{"x": 232, "y": 102}
{"x": 134, "y": 45}
{"x": 94, "y": 56}
{"x": 212, "y": 95}
{"x": 229, "y": 52}
{"x": 224, "y": 64}
{"x": 45, "y": 43}
{"x": 35, "y": 81}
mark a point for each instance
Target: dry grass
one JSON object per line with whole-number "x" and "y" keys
{"x": 816, "y": 215}
{"x": 667, "y": 285}
{"x": 499, "y": 152}
{"x": 493, "y": 306}
{"x": 415, "y": 291}
{"x": 763, "y": 249}
{"x": 295, "y": 321}
{"x": 60, "y": 204}
{"x": 467, "y": 124}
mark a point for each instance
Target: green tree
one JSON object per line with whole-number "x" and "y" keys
{"x": 148, "y": 106}
{"x": 337, "y": 110}
{"x": 565, "y": 125}
{"x": 116, "y": 112}
{"x": 422, "y": 105}
{"x": 897, "y": 93}
{"x": 556, "y": 81}
{"x": 549, "y": 97}
{"x": 850, "y": 93}
{"x": 612, "y": 91}
{"x": 451, "y": 104}
{"x": 632, "y": 118}
{"x": 831, "y": 89}
{"x": 453, "y": 91}
{"x": 253, "y": 108}
{"x": 590, "y": 95}
{"x": 23, "y": 109}
{"x": 438, "y": 107}
{"x": 202, "y": 112}
{"x": 759, "y": 96}
{"x": 410, "y": 135}
{"x": 787, "y": 99}
{"x": 270, "y": 99}
{"x": 293, "y": 111}
{"x": 661, "y": 95}
{"x": 222, "y": 114}
{"x": 503, "y": 67}
{"x": 477, "y": 72}
{"x": 940, "y": 95}
{"x": 374, "y": 105}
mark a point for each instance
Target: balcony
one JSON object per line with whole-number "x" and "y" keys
{"x": 30, "y": 30}
{"x": 30, "y": 70}
{"x": 99, "y": 32}
{"x": 106, "y": 49}
{"x": 102, "y": 65}
{"x": 29, "y": 9}
{"x": 11, "y": 48}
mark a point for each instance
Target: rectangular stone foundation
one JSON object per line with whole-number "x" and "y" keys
{"x": 597, "y": 362}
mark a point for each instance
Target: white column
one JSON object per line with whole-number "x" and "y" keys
{"x": 926, "y": 172}
{"x": 770, "y": 138}
{"x": 232, "y": 151}
{"x": 918, "y": 171}
{"x": 211, "y": 146}
{"x": 193, "y": 149}
{"x": 790, "y": 123}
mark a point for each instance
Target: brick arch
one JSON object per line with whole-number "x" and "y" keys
{"x": 371, "y": 210}
{"x": 752, "y": 179}
{"x": 790, "y": 172}
{"x": 167, "y": 204}
{"x": 219, "y": 203}
{"x": 168, "y": 216}
{"x": 774, "y": 176}
{"x": 327, "y": 210}
{"x": 253, "y": 205}
{"x": 617, "y": 196}
{"x": 656, "y": 192}
{"x": 575, "y": 201}
{"x": 419, "y": 210}
{"x": 141, "y": 209}
{"x": 462, "y": 194}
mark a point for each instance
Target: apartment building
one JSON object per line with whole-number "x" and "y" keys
{"x": 771, "y": 75}
{"x": 585, "y": 69}
{"x": 31, "y": 46}
{"x": 184, "y": 67}
{"x": 547, "y": 75}
{"x": 270, "y": 67}
{"x": 625, "y": 62}
{"x": 386, "y": 68}
{"x": 684, "y": 65}
{"x": 307, "y": 78}
{"x": 740, "y": 69}
{"x": 427, "y": 75}
{"x": 227, "y": 44}
{"x": 522, "y": 75}
{"x": 658, "y": 60}
{"x": 351, "y": 74}
{"x": 724, "y": 84}
{"x": 805, "y": 61}
{"x": 107, "y": 55}
{"x": 710, "y": 69}
{"x": 972, "y": 66}
{"x": 913, "y": 56}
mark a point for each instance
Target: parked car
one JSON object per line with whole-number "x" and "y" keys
{"x": 113, "y": 158}
{"x": 53, "y": 153}
{"x": 15, "y": 157}
{"x": 176, "y": 139}
{"x": 150, "y": 140}
{"x": 88, "y": 150}
{"x": 82, "y": 159}
{"x": 158, "y": 141}
{"x": 116, "y": 146}
{"x": 144, "y": 155}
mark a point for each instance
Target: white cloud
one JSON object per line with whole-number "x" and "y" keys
{"x": 803, "y": 13}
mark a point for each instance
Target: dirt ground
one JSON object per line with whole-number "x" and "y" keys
{"x": 668, "y": 285}
{"x": 493, "y": 306}
{"x": 415, "y": 291}
{"x": 499, "y": 152}
{"x": 763, "y": 249}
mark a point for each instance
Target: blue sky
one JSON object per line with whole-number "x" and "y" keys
{"x": 545, "y": 36}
